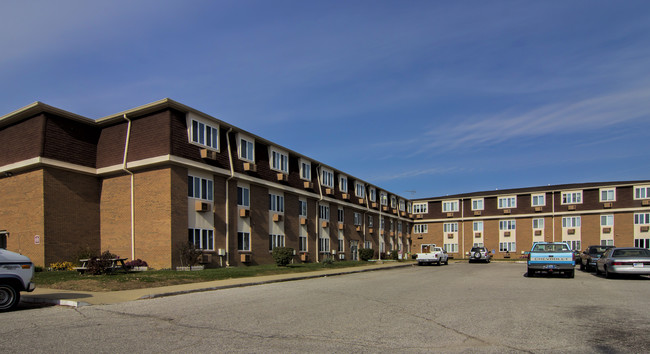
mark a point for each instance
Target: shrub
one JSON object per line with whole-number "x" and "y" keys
{"x": 87, "y": 253}
{"x": 327, "y": 261}
{"x": 101, "y": 264}
{"x": 136, "y": 263}
{"x": 282, "y": 256}
{"x": 366, "y": 254}
{"x": 62, "y": 266}
{"x": 189, "y": 254}
{"x": 394, "y": 255}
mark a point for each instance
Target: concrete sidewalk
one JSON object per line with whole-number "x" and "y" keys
{"x": 84, "y": 298}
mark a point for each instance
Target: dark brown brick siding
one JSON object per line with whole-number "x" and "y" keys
{"x": 70, "y": 141}
{"x": 22, "y": 140}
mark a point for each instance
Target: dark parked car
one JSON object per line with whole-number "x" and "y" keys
{"x": 624, "y": 260}
{"x": 588, "y": 258}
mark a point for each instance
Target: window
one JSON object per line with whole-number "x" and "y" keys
{"x": 357, "y": 219}
{"x": 205, "y": 134}
{"x": 642, "y": 192}
{"x": 477, "y": 204}
{"x": 275, "y": 241}
{"x": 199, "y": 188}
{"x": 538, "y": 200}
{"x": 409, "y": 207}
{"x": 507, "y": 202}
{"x": 327, "y": 178}
{"x": 343, "y": 184}
{"x": 243, "y": 241}
{"x": 370, "y": 222}
{"x": 246, "y": 149}
{"x": 201, "y": 238}
{"x": 243, "y": 197}
{"x": 449, "y": 206}
{"x": 572, "y": 197}
{"x": 507, "y": 225}
{"x": 372, "y": 194}
{"x": 384, "y": 198}
{"x": 401, "y": 204}
{"x": 393, "y": 202}
{"x": 451, "y": 247}
{"x": 607, "y": 220}
{"x": 420, "y": 208}
{"x": 420, "y": 228}
{"x": 341, "y": 247}
{"x": 607, "y": 243}
{"x": 324, "y": 245}
{"x": 538, "y": 223}
{"x": 608, "y": 194}
{"x": 399, "y": 227}
{"x": 382, "y": 225}
{"x": 367, "y": 244}
{"x": 341, "y": 216}
{"x": 360, "y": 190}
{"x": 641, "y": 218}
{"x": 276, "y": 203}
{"x": 302, "y": 243}
{"x": 302, "y": 208}
{"x": 279, "y": 161}
{"x": 642, "y": 242}
{"x": 571, "y": 221}
{"x": 324, "y": 212}
{"x": 478, "y": 226}
{"x": 575, "y": 245}
{"x": 507, "y": 247}
{"x": 305, "y": 170}
{"x": 450, "y": 227}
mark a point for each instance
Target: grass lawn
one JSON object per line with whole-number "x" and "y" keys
{"x": 72, "y": 280}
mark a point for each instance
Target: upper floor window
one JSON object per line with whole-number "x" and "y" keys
{"x": 324, "y": 212}
{"x": 200, "y": 188}
{"x": 409, "y": 207}
{"x": 276, "y": 203}
{"x": 571, "y": 221}
{"x": 538, "y": 223}
{"x": 372, "y": 194}
{"x": 343, "y": 184}
{"x": 607, "y": 220}
{"x": 538, "y": 200}
{"x": 507, "y": 224}
{"x": 572, "y": 197}
{"x": 642, "y": 218}
{"x": 360, "y": 190}
{"x": 608, "y": 194}
{"x": 449, "y": 206}
{"x": 420, "y": 208}
{"x": 327, "y": 178}
{"x": 302, "y": 208}
{"x": 478, "y": 226}
{"x": 341, "y": 215}
{"x": 279, "y": 161}
{"x": 642, "y": 192}
{"x": 243, "y": 196}
{"x": 305, "y": 169}
{"x": 357, "y": 219}
{"x": 450, "y": 227}
{"x": 477, "y": 204}
{"x": 384, "y": 198}
{"x": 370, "y": 221}
{"x": 246, "y": 148}
{"x": 399, "y": 226}
{"x": 393, "y": 202}
{"x": 402, "y": 204}
{"x": 420, "y": 228}
{"x": 205, "y": 134}
{"x": 507, "y": 202}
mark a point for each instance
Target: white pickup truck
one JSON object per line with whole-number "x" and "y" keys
{"x": 432, "y": 254}
{"x": 16, "y": 272}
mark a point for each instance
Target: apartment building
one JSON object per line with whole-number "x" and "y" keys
{"x": 140, "y": 183}
{"x": 507, "y": 222}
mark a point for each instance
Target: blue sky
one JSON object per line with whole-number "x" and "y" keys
{"x": 436, "y": 97}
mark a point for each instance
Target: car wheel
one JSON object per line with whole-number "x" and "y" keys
{"x": 571, "y": 273}
{"x": 597, "y": 270}
{"x": 582, "y": 267}
{"x": 447, "y": 261}
{"x": 531, "y": 273}
{"x": 438, "y": 262}
{"x": 9, "y": 297}
{"x": 608, "y": 274}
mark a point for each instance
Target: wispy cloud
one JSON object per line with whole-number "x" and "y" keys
{"x": 417, "y": 173}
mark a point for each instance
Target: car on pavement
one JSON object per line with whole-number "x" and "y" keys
{"x": 431, "y": 254}
{"x": 588, "y": 258}
{"x": 624, "y": 260}
{"x": 551, "y": 257}
{"x": 479, "y": 254}
{"x": 16, "y": 272}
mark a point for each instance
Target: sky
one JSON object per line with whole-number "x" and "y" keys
{"x": 422, "y": 98}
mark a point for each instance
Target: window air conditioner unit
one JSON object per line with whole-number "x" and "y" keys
{"x": 506, "y": 234}
{"x": 304, "y": 257}
{"x": 277, "y": 217}
{"x": 538, "y": 232}
{"x": 324, "y": 223}
{"x": 341, "y": 226}
{"x": 308, "y": 185}
{"x": 538, "y": 209}
{"x": 507, "y": 211}
{"x": 329, "y": 191}
{"x": 201, "y": 206}
{"x": 341, "y": 256}
{"x": 244, "y": 213}
{"x": 449, "y": 215}
{"x": 333, "y": 252}
{"x": 345, "y": 196}
{"x": 208, "y": 154}
{"x": 477, "y": 213}
{"x": 303, "y": 221}
{"x": 607, "y": 205}
{"x": 221, "y": 252}
{"x": 607, "y": 230}
{"x": 358, "y": 228}
{"x": 571, "y": 207}
{"x": 245, "y": 257}
{"x": 250, "y": 167}
{"x": 283, "y": 177}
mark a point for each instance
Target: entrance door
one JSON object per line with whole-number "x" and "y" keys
{"x": 354, "y": 248}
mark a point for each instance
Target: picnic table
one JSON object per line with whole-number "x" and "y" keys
{"x": 117, "y": 264}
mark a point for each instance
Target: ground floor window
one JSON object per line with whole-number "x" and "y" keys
{"x": 451, "y": 247}
{"x": 642, "y": 242}
{"x": 367, "y": 244}
{"x": 324, "y": 245}
{"x": 507, "y": 247}
{"x": 607, "y": 242}
{"x": 341, "y": 245}
{"x": 478, "y": 244}
{"x": 575, "y": 245}
{"x": 201, "y": 238}
{"x": 302, "y": 243}
{"x": 276, "y": 241}
{"x": 243, "y": 241}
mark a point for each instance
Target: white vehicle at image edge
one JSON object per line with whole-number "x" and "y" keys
{"x": 432, "y": 254}
{"x": 16, "y": 272}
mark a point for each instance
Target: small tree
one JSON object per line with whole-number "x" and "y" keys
{"x": 282, "y": 255}
{"x": 366, "y": 253}
{"x": 190, "y": 255}
{"x": 101, "y": 264}
{"x": 394, "y": 255}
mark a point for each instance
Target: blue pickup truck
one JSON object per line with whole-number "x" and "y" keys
{"x": 551, "y": 257}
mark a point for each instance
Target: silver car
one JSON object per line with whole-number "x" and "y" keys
{"x": 479, "y": 254}
{"x": 624, "y": 260}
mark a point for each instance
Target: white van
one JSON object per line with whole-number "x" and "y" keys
{"x": 16, "y": 272}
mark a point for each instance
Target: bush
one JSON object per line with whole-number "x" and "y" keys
{"x": 136, "y": 263}
{"x": 327, "y": 261}
{"x": 282, "y": 256}
{"x": 101, "y": 264}
{"x": 394, "y": 255}
{"x": 189, "y": 254}
{"x": 366, "y": 253}
{"x": 62, "y": 266}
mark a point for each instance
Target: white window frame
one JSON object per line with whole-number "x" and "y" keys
{"x": 507, "y": 202}
{"x": 607, "y": 220}
{"x": 420, "y": 228}
{"x": 276, "y": 202}
{"x": 302, "y": 243}
{"x": 477, "y": 226}
{"x": 393, "y": 202}
{"x": 478, "y": 204}
{"x": 571, "y": 197}
{"x": 305, "y": 169}
{"x": 358, "y": 219}
{"x": 327, "y": 177}
{"x": 641, "y": 218}
{"x": 203, "y": 236}
{"x": 197, "y": 188}
{"x": 340, "y": 215}
{"x": 507, "y": 247}
{"x": 343, "y": 183}
{"x": 199, "y": 131}
{"x": 324, "y": 243}
{"x": 571, "y": 222}
{"x": 450, "y": 227}
{"x": 372, "y": 194}
{"x": 243, "y": 144}
{"x": 450, "y": 247}
{"x": 420, "y": 208}
{"x": 278, "y": 160}
{"x": 507, "y": 225}
{"x": 538, "y": 223}
{"x": 302, "y": 208}
{"x": 367, "y": 244}
{"x": 276, "y": 240}
{"x": 241, "y": 237}
{"x": 609, "y": 194}
{"x": 449, "y": 206}
{"x": 324, "y": 212}
{"x": 359, "y": 190}
{"x": 243, "y": 196}
{"x": 537, "y": 196}
{"x": 383, "y": 198}
{"x": 641, "y": 192}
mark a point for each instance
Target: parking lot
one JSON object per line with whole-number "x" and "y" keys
{"x": 456, "y": 308}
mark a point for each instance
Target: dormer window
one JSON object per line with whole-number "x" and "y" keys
{"x": 327, "y": 178}
{"x": 343, "y": 184}
{"x": 279, "y": 160}
{"x": 305, "y": 169}
{"x": 204, "y": 133}
{"x": 246, "y": 148}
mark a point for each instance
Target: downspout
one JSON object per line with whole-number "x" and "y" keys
{"x": 553, "y": 214}
{"x": 382, "y": 228}
{"x": 462, "y": 223}
{"x": 320, "y": 191}
{"x": 126, "y": 150}
{"x": 232, "y": 175}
